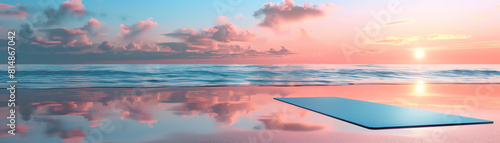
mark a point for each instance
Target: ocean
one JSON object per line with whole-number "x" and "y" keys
{"x": 200, "y": 75}
{"x": 235, "y": 103}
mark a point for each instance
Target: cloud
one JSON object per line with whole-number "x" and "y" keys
{"x": 14, "y": 13}
{"x": 64, "y": 37}
{"x": 45, "y": 42}
{"x": 83, "y": 41}
{"x": 220, "y": 33}
{"x": 221, "y": 19}
{"x": 73, "y": 6}
{"x": 229, "y": 112}
{"x": 56, "y": 40}
{"x": 138, "y": 113}
{"x": 395, "y": 22}
{"x": 228, "y": 32}
{"x": 69, "y": 108}
{"x": 105, "y": 46}
{"x": 239, "y": 16}
{"x": 472, "y": 45}
{"x": 67, "y": 37}
{"x": 404, "y": 41}
{"x": 277, "y": 122}
{"x": 6, "y": 6}
{"x": 222, "y": 111}
{"x": 20, "y": 13}
{"x": 20, "y": 129}
{"x": 68, "y": 9}
{"x": 132, "y": 46}
{"x": 92, "y": 27}
{"x": 402, "y": 21}
{"x": 57, "y": 127}
{"x": 276, "y": 15}
{"x": 394, "y": 40}
{"x": 207, "y": 39}
{"x": 180, "y": 47}
{"x": 446, "y": 37}
{"x": 132, "y": 31}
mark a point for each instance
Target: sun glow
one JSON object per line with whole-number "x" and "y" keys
{"x": 420, "y": 87}
{"x": 419, "y": 54}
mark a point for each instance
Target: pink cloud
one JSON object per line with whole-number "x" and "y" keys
{"x": 228, "y": 32}
{"x": 221, "y": 33}
{"x": 93, "y": 27}
{"x": 74, "y": 31}
{"x": 276, "y": 15}
{"x": 92, "y": 23}
{"x": 136, "y": 29}
{"x": 74, "y": 6}
{"x": 221, "y": 19}
{"x": 83, "y": 41}
{"x": 6, "y": 6}
{"x": 208, "y": 39}
{"x": 42, "y": 41}
{"x": 239, "y": 16}
{"x": 20, "y": 128}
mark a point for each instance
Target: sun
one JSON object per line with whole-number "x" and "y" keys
{"x": 420, "y": 87}
{"x": 419, "y": 54}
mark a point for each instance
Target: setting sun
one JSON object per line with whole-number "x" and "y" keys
{"x": 419, "y": 54}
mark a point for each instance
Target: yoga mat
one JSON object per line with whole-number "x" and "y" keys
{"x": 376, "y": 115}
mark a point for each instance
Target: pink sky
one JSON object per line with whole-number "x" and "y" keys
{"x": 392, "y": 32}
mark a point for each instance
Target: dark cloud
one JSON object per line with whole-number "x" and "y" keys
{"x": 133, "y": 46}
{"x": 25, "y": 34}
{"x": 67, "y": 37}
{"x": 13, "y": 13}
{"x": 67, "y": 10}
{"x": 105, "y": 46}
{"x": 21, "y": 12}
{"x": 57, "y": 40}
{"x": 276, "y": 15}
{"x": 60, "y": 38}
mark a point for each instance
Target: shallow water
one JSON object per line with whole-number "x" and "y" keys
{"x": 241, "y": 114}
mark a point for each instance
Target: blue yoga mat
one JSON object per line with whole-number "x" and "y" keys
{"x": 376, "y": 115}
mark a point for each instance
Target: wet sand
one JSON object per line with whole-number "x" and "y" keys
{"x": 241, "y": 114}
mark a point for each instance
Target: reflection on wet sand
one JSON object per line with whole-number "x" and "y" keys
{"x": 207, "y": 113}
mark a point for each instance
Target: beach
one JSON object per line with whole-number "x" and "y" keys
{"x": 243, "y": 114}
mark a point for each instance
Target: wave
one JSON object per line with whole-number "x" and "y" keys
{"x": 116, "y": 76}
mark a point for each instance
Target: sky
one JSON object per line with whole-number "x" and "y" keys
{"x": 253, "y": 32}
